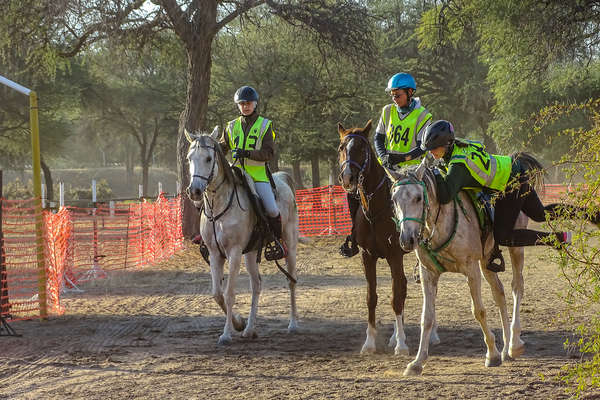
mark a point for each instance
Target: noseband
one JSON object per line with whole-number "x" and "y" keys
{"x": 208, "y": 178}
{"x": 412, "y": 180}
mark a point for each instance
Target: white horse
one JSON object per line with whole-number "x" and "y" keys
{"x": 447, "y": 237}
{"x": 227, "y": 224}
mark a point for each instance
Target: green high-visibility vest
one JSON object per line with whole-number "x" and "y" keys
{"x": 490, "y": 170}
{"x": 401, "y": 132}
{"x": 251, "y": 141}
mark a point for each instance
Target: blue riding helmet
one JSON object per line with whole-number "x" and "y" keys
{"x": 401, "y": 81}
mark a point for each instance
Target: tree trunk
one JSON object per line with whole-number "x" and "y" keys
{"x": 297, "y": 174}
{"x": 194, "y": 116}
{"x": 334, "y": 171}
{"x": 48, "y": 181}
{"x": 314, "y": 165}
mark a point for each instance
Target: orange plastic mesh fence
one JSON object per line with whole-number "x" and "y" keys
{"x": 82, "y": 244}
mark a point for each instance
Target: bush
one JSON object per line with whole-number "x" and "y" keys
{"x": 16, "y": 190}
{"x": 103, "y": 192}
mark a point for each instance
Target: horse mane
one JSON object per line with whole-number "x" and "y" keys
{"x": 410, "y": 172}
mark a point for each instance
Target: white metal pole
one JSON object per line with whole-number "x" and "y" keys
{"x": 43, "y": 195}
{"x": 93, "y": 191}
{"x": 140, "y": 190}
{"x": 159, "y": 188}
{"x": 61, "y": 196}
{"x": 15, "y": 85}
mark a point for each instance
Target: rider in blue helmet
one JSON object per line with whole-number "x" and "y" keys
{"x": 397, "y": 137}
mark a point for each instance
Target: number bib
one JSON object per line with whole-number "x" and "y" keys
{"x": 401, "y": 131}
{"x": 490, "y": 170}
{"x": 250, "y": 141}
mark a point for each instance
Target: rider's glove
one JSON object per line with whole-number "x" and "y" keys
{"x": 240, "y": 153}
{"x": 385, "y": 161}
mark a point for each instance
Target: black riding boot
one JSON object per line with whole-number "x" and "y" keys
{"x": 277, "y": 250}
{"x": 349, "y": 248}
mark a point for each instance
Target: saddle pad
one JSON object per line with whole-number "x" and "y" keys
{"x": 482, "y": 209}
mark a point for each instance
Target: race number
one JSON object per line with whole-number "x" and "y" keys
{"x": 481, "y": 154}
{"x": 401, "y": 136}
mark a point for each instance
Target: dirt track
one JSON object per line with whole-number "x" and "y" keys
{"x": 152, "y": 335}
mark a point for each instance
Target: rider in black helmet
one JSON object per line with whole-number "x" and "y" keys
{"x": 250, "y": 137}
{"x": 507, "y": 178}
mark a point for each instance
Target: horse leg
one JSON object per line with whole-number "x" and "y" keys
{"x": 433, "y": 337}
{"x": 398, "y": 339}
{"x": 500, "y": 300}
{"x": 517, "y": 258}
{"x": 216, "y": 272}
{"x": 291, "y": 238}
{"x": 492, "y": 356}
{"x": 429, "y": 282}
{"x": 369, "y": 265}
{"x": 234, "y": 268}
{"x": 255, "y": 286}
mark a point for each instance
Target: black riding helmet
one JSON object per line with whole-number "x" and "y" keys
{"x": 245, "y": 93}
{"x": 440, "y": 133}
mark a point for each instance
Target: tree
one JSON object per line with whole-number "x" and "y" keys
{"x": 68, "y": 26}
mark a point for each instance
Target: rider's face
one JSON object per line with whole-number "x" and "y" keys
{"x": 400, "y": 97}
{"x": 438, "y": 152}
{"x": 246, "y": 107}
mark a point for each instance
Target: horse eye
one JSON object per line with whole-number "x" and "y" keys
{"x": 208, "y": 159}
{"x": 418, "y": 199}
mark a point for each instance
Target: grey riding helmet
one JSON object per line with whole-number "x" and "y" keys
{"x": 438, "y": 134}
{"x": 245, "y": 93}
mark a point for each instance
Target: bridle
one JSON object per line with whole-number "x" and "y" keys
{"x": 365, "y": 197}
{"x": 425, "y": 243}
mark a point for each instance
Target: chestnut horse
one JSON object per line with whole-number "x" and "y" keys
{"x": 375, "y": 231}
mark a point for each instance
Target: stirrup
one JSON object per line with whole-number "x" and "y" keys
{"x": 348, "y": 250}
{"x": 275, "y": 250}
{"x": 496, "y": 263}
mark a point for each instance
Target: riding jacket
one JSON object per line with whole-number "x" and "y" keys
{"x": 255, "y": 134}
{"x": 470, "y": 166}
{"x": 399, "y": 132}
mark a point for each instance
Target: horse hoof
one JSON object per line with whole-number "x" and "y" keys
{"x": 249, "y": 334}
{"x": 292, "y": 328}
{"x": 239, "y": 323}
{"x": 434, "y": 340}
{"x": 493, "y": 362}
{"x": 401, "y": 351}
{"x": 515, "y": 352}
{"x": 413, "y": 370}
{"x": 224, "y": 340}
{"x": 367, "y": 350}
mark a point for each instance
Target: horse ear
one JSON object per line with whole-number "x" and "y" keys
{"x": 188, "y": 135}
{"x": 215, "y": 133}
{"x": 392, "y": 173}
{"x": 367, "y": 128}
{"x": 420, "y": 171}
{"x": 341, "y": 130}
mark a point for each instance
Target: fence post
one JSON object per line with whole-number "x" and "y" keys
{"x": 61, "y": 194}
{"x": 94, "y": 192}
{"x": 159, "y": 188}
{"x": 4, "y": 306}
{"x": 43, "y": 195}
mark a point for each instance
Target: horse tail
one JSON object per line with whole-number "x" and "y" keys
{"x": 532, "y": 168}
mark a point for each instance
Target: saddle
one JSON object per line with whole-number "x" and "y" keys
{"x": 482, "y": 202}
{"x": 262, "y": 234}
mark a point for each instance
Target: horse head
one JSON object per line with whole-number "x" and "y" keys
{"x": 354, "y": 155}
{"x": 205, "y": 160}
{"x": 410, "y": 201}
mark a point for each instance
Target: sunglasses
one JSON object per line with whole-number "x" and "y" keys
{"x": 396, "y": 96}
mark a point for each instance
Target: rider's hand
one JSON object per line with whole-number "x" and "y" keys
{"x": 240, "y": 153}
{"x": 385, "y": 161}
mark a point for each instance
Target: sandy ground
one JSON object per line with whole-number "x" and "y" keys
{"x": 152, "y": 334}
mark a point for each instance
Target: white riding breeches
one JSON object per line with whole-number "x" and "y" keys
{"x": 268, "y": 199}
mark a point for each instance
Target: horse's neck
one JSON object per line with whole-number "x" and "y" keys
{"x": 218, "y": 191}
{"x": 440, "y": 219}
{"x": 376, "y": 175}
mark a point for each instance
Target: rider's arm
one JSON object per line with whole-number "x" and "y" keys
{"x": 379, "y": 139}
{"x": 267, "y": 149}
{"x": 458, "y": 177}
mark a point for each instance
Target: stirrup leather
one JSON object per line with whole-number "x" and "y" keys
{"x": 275, "y": 250}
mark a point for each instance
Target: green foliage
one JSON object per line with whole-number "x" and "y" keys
{"x": 580, "y": 262}
{"x": 16, "y": 190}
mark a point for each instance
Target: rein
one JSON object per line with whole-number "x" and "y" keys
{"x": 425, "y": 244}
